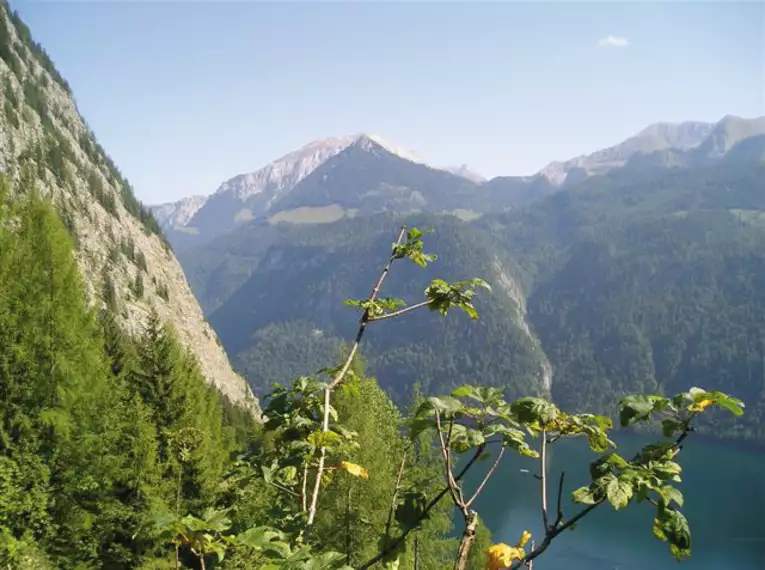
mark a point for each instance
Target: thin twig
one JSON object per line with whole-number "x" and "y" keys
{"x": 339, "y": 378}
{"x": 559, "y": 516}
{"x": 393, "y": 500}
{"x": 558, "y": 529}
{"x": 486, "y": 477}
{"x": 401, "y": 311}
{"x": 285, "y": 489}
{"x": 304, "y": 489}
{"x": 446, "y": 454}
{"x": 392, "y": 545}
{"x": 543, "y": 480}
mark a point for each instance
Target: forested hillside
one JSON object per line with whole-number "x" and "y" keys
{"x": 288, "y": 315}
{"x": 635, "y": 280}
{"x": 126, "y": 262}
{"x": 91, "y": 417}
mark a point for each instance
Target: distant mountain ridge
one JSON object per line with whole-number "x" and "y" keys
{"x": 660, "y": 144}
{"x": 360, "y": 174}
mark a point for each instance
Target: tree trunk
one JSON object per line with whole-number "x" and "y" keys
{"x": 468, "y": 538}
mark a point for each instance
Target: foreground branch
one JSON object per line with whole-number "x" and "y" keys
{"x": 394, "y": 544}
{"x": 557, "y": 528}
{"x": 339, "y": 378}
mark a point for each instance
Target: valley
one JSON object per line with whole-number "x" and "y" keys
{"x": 602, "y": 286}
{"x": 355, "y": 358}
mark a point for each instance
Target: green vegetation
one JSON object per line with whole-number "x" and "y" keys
{"x": 309, "y": 215}
{"x": 635, "y": 281}
{"x": 114, "y": 453}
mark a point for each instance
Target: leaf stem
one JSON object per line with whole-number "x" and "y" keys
{"x": 401, "y": 311}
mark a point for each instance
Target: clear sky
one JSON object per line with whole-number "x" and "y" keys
{"x": 186, "y": 94}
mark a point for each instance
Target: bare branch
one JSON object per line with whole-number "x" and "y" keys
{"x": 489, "y": 473}
{"x": 543, "y": 480}
{"x": 557, "y": 529}
{"x": 459, "y": 500}
{"x": 446, "y": 453}
{"x": 304, "y": 489}
{"x": 559, "y": 517}
{"x": 283, "y": 488}
{"x": 392, "y": 545}
{"x": 339, "y": 378}
{"x": 396, "y": 489}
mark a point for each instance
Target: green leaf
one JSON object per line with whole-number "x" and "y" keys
{"x": 216, "y": 520}
{"x": 412, "y": 507}
{"x": 671, "y": 526}
{"x": 467, "y": 391}
{"x": 584, "y": 496}
{"x": 618, "y": 493}
{"x": 635, "y": 408}
{"x": 669, "y": 493}
{"x": 534, "y": 411}
{"x": 323, "y": 561}
{"x": 445, "y": 404}
{"x": 733, "y": 405}
{"x": 418, "y": 426}
{"x": 670, "y": 427}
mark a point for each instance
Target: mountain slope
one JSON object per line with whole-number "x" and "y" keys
{"x": 178, "y": 214}
{"x": 292, "y": 304}
{"x": 466, "y": 172}
{"x": 632, "y": 280}
{"x": 126, "y": 264}
{"x": 367, "y": 177}
{"x": 654, "y": 138}
{"x": 252, "y": 195}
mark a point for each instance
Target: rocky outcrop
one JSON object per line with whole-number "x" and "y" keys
{"x": 125, "y": 261}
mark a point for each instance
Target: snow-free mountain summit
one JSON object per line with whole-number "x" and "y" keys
{"x": 328, "y": 179}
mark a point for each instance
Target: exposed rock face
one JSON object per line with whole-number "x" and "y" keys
{"x": 654, "y": 138}
{"x": 45, "y": 142}
{"x": 178, "y": 214}
{"x": 252, "y": 195}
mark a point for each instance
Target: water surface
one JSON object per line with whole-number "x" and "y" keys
{"x": 724, "y": 488}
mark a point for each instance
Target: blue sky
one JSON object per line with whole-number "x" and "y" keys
{"x": 184, "y": 95}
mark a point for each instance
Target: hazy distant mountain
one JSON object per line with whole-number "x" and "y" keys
{"x": 177, "y": 214}
{"x": 252, "y": 195}
{"x": 730, "y": 139}
{"x": 331, "y": 178}
{"x": 656, "y": 137}
{"x": 466, "y": 172}
{"x": 727, "y": 133}
{"x": 367, "y": 177}
{"x": 633, "y": 281}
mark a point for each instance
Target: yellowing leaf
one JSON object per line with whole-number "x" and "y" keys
{"x": 502, "y": 555}
{"x": 700, "y": 406}
{"x": 353, "y": 469}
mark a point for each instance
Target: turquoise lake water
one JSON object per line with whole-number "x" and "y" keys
{"x": 724, "y": 488}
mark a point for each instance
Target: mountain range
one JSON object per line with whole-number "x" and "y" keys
{"x": 640, "y": 271}
{"x": 335, "y": 177}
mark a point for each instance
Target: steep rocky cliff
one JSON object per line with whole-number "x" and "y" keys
{"x": 125, "y": 261}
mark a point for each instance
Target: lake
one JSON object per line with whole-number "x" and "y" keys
{"x": 724, "y": 488}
